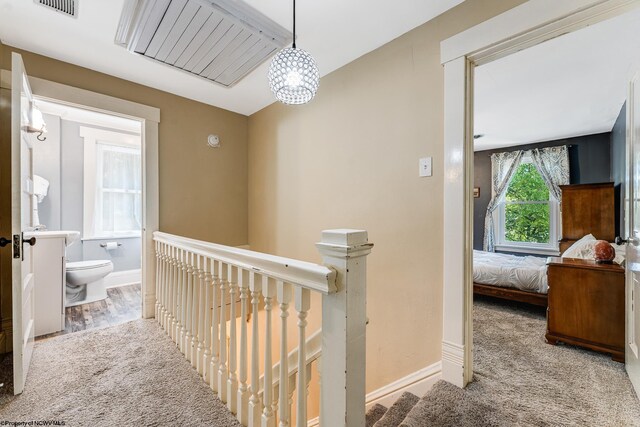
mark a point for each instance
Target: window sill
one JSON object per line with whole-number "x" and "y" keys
{"x": 528, "y": 250}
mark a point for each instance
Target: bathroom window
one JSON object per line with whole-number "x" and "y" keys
{"x": 112, "y": 184}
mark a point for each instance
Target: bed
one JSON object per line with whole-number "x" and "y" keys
{"x": 587, "y": 208}
{"x": 520, "y": 278}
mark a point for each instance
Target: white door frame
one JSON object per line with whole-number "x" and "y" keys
{"x": 519, "y": 28}
{"x": 150, "y": 118}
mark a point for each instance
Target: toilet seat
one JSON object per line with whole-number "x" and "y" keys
{"x": 86, "y": 265}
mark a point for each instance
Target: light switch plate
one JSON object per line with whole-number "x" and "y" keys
{"x": 425, "y": 166}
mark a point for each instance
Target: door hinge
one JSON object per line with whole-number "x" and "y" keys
{"x": 17, "y": 245}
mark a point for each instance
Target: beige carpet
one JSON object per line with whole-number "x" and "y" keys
{"x": 126, "y": 375}
{"x": 522, "y": 381}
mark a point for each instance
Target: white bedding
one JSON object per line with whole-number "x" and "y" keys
{"x": 527, "y": 273}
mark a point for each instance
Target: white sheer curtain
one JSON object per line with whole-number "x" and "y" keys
{"x": 553, "y": 165}
{"x": 118, "y": 190}
{"x": 503, "y": 166}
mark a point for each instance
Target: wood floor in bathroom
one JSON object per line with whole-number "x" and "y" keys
{"x": 123, "y": 304}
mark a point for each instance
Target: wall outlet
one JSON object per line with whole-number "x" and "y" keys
{"x": 425, "y": 166}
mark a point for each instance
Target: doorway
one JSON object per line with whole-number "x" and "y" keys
{"x": 88, "y": 178}
{"x": 149, "y": 117}
{"x": 527, "y": 25}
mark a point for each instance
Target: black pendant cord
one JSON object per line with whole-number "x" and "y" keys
{"x": 294, "y": 24}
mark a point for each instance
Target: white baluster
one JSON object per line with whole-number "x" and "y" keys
{"x": 165, "y": 290}
{"x": 189, "y": 305}
{"x": 169, "y": 297}
{"x": 255, "y": 409}
{"x": 194, "y": 311}
{"x": 158, "y": 261}
{"x": 303, "y": 303}
{"x": 222, "y": 363}
{"x": 201, "y": 315}
{"x": 284, "y": 297}
{"x": 162, "y": 281}
{"x": 232, "y": 381}
{"x": 215, "y": 321}
{"x": 243, "y": 390}
{"x": 319, "y": 369}
{"x": 206, "y": 357}
{"x": 274, "y": 403}
{"x": 182, "y": 276}
{"x": 174, "y": 295}
{"x": 178, "y": 275}
{"x": 268, "y": 292}
{"x": 292, "y": 389}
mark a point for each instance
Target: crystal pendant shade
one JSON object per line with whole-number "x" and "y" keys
{"x": 293, "y": 76}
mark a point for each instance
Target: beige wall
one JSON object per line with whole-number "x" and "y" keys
{"x": 350, "y": 159}
{"x": 203, "y": 191}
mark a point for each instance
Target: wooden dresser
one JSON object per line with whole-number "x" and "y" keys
{"x": 587, "y": 209}
{"x": 586, "y": 305}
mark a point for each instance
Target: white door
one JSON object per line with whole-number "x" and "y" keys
{"x": 632, "y": 356}
{"x": 21, "y": 223}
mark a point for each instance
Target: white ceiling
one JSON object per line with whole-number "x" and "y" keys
{"x": 569, "y": 86}
{"x": 335, "y": 32}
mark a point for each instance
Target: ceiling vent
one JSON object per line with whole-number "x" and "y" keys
{"x": 68, "y": 7}
{"x": 220, "y": 40}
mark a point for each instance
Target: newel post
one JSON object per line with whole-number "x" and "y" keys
{"x": 343, "y": 329}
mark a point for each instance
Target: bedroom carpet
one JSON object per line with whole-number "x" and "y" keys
{"x": 522, "y": 381}
{"x": 126, "y": 375}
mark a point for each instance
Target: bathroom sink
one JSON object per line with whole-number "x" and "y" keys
{"x": 69, "y": 236}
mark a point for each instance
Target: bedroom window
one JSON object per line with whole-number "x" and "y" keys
{"x": 528, "y": 215}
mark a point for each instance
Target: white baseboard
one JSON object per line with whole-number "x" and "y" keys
{"x": 453, "y": 363}
{"x": 418, "y": 383}
{"x": 122, "y": 278}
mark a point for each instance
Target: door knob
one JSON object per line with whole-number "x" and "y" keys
{"x": 619, "y": 240}
{"x": 31, "y": 241}
{"x": 4, "y": 242}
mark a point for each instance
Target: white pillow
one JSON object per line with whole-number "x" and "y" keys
{"x": 583, "y": 248}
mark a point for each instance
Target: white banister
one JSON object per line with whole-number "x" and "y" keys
{"x": 196, "y": 281}
{"x": 344, "y": 328}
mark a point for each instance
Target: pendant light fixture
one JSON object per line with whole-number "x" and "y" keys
{"x": 293, "y": 74}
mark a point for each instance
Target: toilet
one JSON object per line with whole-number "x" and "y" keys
{"x": 85, "y": 281}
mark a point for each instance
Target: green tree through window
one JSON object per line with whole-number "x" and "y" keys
{"x": 526, "y": 210}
